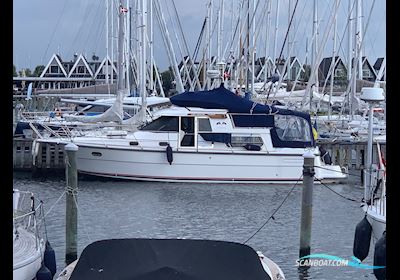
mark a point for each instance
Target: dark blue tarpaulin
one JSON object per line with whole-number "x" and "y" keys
{"x": 172, "y": 259}
{"x": 222, "y": 98}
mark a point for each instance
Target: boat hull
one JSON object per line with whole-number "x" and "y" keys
{"x": 27, "y": 258}
{"x": 193, "y": 166}
{"x": 377, "y": 221}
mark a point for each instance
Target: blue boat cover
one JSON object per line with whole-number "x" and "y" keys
{"x": 222, "y": 98}
{"x": 172, "y": 259}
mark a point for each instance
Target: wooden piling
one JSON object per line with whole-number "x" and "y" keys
{"x": 306, "y": 204}
{"x": 71, "y": 211}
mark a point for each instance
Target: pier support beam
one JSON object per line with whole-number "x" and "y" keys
{"x": 71, "y": 211}
{"x": 306, "y": 204}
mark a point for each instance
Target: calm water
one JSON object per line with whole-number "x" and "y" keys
{"x": 123, "y": 209}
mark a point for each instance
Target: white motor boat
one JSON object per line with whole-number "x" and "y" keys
{"x": 211, "y": 136}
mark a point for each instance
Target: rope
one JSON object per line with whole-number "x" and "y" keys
{"x": 70, "y": 190}
{"x": 51, "y": 208}
{"x": 276, "y": 210}
{"x": 44, "y": 221}
{"x": 351, "y": 199}
{"x": 55, "y": 29}
{"x": 80, "y": 217}
{"x": 252, "y": 107}
{"x": 287, "y": 33}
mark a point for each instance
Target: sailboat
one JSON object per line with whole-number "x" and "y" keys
{"x": 376, "y": 207}
{"x": 33, "y": 257}
{"x": 373, "y": 226}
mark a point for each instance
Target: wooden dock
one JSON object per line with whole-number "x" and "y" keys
{"x": 51, "y": 156}
{"x": 48, "y": 156}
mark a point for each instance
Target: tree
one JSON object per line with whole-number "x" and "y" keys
{"x": 307, "y": 72}
{"x": 28, "y": 72}
{"x": 25, "y": 72}
{"x": 14, "y": 71}
{"x": 167, "y": 79}
{"x": 38, "y": 70}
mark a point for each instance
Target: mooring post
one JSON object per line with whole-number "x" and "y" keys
{"x": 306, "y": 204}
{"x": 71, "y": 217}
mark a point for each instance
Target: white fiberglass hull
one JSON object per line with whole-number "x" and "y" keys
{"x": 377, "y": 218}
{"x": 197, "y": 166}
{"x": 27, "y": 258}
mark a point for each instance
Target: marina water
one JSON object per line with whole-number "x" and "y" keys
{"x": 231, "y": 212}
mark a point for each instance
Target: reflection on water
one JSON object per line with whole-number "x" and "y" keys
{"x": 123, "y": 209}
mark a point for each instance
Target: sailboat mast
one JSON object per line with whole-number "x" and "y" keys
{"x": 112, "y": 41}
{"x": 151, "y": 37}
{"x": 333, "y": 63}
{"x": 253, "y": 45}
{"x": 359, "y": 38}
{"x": 267, "y": 26}
{"x": 142, "y": 73}
{"x": 315, "y": 41}
{"x": 120, "y": 82}
{"x": 349, "y": 42}
{"x": 220, "y": 30}
{"x": 107, "y": 41}
{"x": 210, "y": 9}
{"x": 128, "y": 46}
{"x": 352, "y": 56}
{"x": 276, "y": 35}
{"x": 288, "y": 44}
{"x": 247, "y": 45}
{"x": 314, "y": 52}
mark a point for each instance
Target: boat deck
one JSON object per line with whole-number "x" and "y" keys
{"x": 25, "y": 249}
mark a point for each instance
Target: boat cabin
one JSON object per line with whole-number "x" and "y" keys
{"x": 198, "y": 127}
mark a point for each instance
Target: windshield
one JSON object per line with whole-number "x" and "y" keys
{"x": 164, "y": 123}
{"x": 292, "y": 128}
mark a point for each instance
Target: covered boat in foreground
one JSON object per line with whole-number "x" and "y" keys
{"x": 183, "y": 259}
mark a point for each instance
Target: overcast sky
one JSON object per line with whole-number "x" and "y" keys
{"x": 44, "y": 27}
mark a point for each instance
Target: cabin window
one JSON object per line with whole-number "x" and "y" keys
{"x": 292, "y": 128}
{"x": 204, "y": 125}
{"x": 165, "y": 123}
{"x": 241, "y": 140}
{"x": 187, "y": 131}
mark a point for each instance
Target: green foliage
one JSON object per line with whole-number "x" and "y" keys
{"x": 38, "y": 70}
{"x": 167, "y": 78}
{"x": 305, "y": 76}
{"x": 28, "y": 72}
{"x": 14, "y": 71}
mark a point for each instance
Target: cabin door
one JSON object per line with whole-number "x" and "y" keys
{"x": 187, "y": 132}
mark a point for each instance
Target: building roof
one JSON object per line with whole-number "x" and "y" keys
{"x": 325, "y": 65}
{"x": 58, "y": 60}
{"x": 378, "y": 64}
